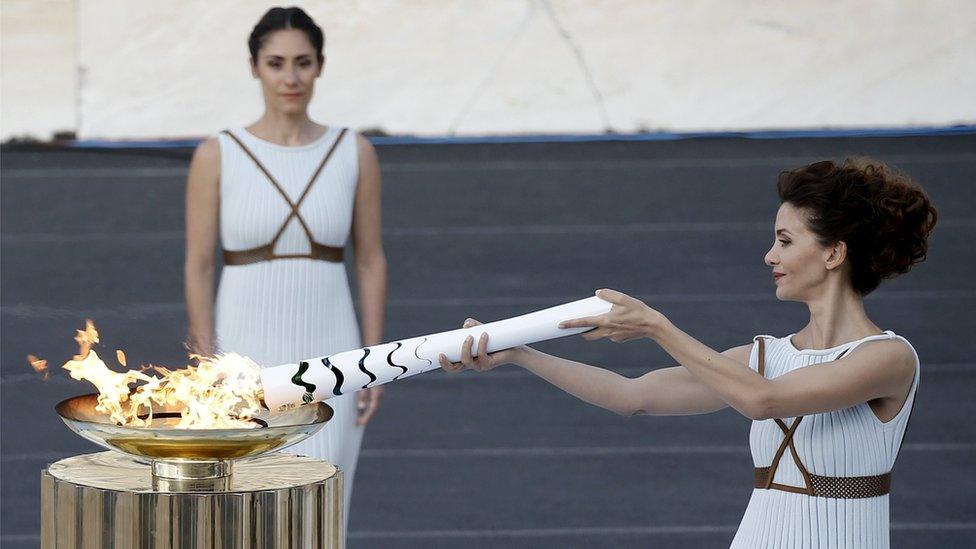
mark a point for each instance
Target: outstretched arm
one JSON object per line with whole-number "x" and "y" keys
{"x": 665, "y": 391}
{"x": 878, "y": 370}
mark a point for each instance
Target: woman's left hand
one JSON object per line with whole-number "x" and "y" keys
{"x": 629, "y": 318}
{"x": 367, "y": 402}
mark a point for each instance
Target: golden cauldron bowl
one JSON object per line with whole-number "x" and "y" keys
{"x": 186, "y": 455}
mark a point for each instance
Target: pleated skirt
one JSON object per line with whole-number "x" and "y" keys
{"x": 786, "y": 520}
{"x": 283, "y": 311}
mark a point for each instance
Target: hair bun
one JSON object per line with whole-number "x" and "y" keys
{"x": 882, "y": 215}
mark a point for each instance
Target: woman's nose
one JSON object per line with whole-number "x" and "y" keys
{"x": 770, "y": 259}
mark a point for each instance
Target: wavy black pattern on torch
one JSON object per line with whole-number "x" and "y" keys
{"x": 337, "y": 390}
{"x": 309, "y": 387}
{"x": 389, "y": 360}
{"x": 362, "y": 368}
{"x": 417, "y": 348}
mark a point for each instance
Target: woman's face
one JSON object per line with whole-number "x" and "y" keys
{"x": 799, "y": 262}
{"x": 287, "y": 66}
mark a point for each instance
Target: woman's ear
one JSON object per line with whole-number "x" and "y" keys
{"x": 254, "y": 67}
{"x": 835, "y": 255}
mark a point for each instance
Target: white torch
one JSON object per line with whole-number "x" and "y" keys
{"x": 316, "y": 379}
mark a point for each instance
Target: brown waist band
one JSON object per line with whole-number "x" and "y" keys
{"x": 266, "y": 253}
{"x": 830, "y": 487}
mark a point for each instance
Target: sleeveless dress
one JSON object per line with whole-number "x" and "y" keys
{"x": 282, "y": 310}
{"x": 847, "y": 443}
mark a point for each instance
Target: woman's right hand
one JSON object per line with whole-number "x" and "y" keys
{"x": 484, "y": 361}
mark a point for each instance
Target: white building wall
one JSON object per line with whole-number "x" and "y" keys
{"x": 454, "y": 67}
{"x": 38, "y": 68}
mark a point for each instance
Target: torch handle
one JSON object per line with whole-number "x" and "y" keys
{"x": 324, "y": 377}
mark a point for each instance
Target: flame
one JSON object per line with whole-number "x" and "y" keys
{"x": 39, "y": 366}
{"x": 221, "y": 392}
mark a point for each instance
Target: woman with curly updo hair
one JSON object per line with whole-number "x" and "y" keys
{"x": 830, "y": 402}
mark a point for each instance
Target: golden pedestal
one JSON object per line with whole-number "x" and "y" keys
{"x": 110, "y": 500}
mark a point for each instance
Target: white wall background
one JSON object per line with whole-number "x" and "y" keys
{"x": 38, "y": 68}
{"x": 109, "y": 69}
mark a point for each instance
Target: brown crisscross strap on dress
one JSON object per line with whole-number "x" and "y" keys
{"x": 815, "y": 485}
{"x": 266, "y": 253}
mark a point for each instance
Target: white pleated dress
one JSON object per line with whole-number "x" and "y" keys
{"x": 851, "y": 442}
{"x": 285, "y": 310}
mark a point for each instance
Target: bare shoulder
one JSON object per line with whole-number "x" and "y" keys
{"x": 367, "y": 152}
{"x": 206, "y": 157}
{"x": 208, "y": 149}
{"x": 891, "y": 354}
{"x": 204, "y": 166}
{"x": 369, "y": 164}
{"x": 739, "y": 354}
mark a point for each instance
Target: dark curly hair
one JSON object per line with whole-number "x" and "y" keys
{"x": 285, "y": 18}
{"x": 883, "y": 216}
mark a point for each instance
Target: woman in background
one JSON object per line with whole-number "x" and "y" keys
{"x": 285, "y": 194}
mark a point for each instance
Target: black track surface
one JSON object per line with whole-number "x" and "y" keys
{"x": 503, "y": 459}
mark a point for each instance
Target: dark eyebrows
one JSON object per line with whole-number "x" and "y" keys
{"x": 301, "y": 57}
{"x": 782, "y": 231}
